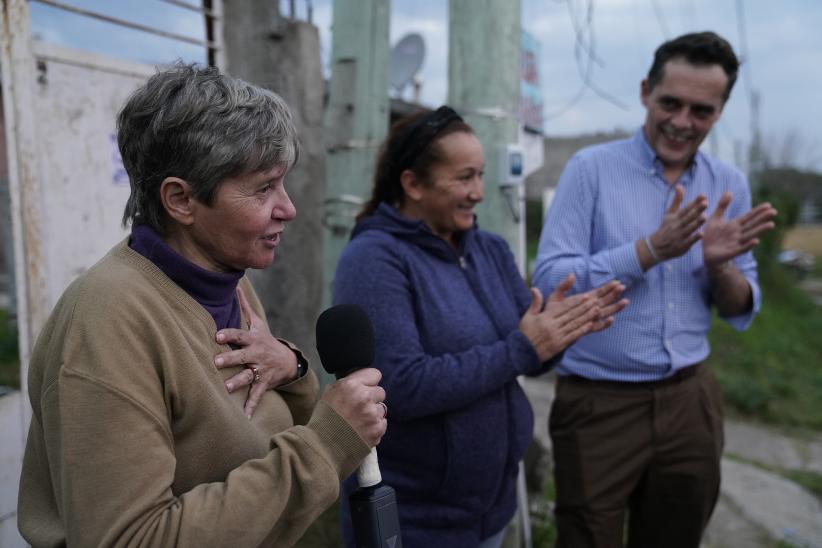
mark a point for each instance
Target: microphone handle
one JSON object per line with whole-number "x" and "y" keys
{"x": 368, "y": 474}
{"x": 374, "y": 508}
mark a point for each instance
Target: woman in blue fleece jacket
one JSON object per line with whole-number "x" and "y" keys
{"x": 455, "y": 325}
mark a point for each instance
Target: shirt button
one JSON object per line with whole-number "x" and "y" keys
{"x": 668, "y": 343}
{"x": 669, "y": 267}
{"x": 670, "y": 306}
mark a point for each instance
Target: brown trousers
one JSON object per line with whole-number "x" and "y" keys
{"x": 652, "y": 449}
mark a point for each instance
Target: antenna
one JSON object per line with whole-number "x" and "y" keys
{"x": 406, "y": 59}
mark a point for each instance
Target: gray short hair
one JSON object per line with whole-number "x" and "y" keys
{"x": 192, "y": 122}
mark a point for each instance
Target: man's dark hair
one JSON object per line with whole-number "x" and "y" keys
{"x": 700, "y": 49}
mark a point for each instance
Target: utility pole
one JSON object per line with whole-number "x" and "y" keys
{"x": 484, "y": 87}
{"x": 356, "y": 120}
{"x": 283, "y": 55}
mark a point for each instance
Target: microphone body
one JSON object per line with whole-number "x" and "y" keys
{"x": 374, "y": 517}
{"x": 345, "y": 343}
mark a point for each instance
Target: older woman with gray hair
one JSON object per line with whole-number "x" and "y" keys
{"x": 164, "y": 411}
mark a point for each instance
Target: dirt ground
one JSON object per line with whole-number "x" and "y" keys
{"x": 805, "y": 237}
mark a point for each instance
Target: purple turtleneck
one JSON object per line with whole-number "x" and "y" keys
{"x": 215, "y": 291}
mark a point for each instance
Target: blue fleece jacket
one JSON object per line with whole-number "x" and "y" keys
{"x": 449, "y": 348}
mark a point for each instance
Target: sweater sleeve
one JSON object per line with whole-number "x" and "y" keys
{"x": 373, "y": 275}
{"x": 301, "y": 393}
{"x": 116, "y": 480}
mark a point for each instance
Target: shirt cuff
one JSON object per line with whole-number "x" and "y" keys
{"x": 741, "y": 322}
{"x": 619, "y": 263}
{"x": 302, "y": 361}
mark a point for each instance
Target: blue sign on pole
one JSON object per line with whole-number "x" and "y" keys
{"x": 530, "y": 104}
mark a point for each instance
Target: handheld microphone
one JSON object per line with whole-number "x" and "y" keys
{"x": 345, "y": 343}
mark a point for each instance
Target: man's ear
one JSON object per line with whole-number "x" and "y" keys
{"x": 644, "y": 92}
{"x": 410, "y": 185}
{"x": 175, "y": 194}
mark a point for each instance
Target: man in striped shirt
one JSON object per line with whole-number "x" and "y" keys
{"x": 637, "y": 420}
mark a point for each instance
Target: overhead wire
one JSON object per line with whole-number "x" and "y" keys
{"x": 755, "y": 153}
{"x": 660, "y": 19}
{"x": 585, "y": 42}
{"x": 639, "y": 36}
{"x": 742, "y": 29}
{"x": 687, "y": 12}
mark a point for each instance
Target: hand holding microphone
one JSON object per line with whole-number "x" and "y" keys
{"x": 356, "y": 398}
{"x": 345, "y": 343}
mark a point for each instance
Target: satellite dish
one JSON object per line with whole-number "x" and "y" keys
{"x": 406, "y": 59}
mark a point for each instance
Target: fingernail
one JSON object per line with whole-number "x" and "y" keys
{"x": 219, "y": 361}
{"x": 220, "y": 337}
{"x": 229, "y": 387}
{"x": 248, "y": 417}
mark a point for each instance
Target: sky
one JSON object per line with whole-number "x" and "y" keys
{"x": 779, "y": 42}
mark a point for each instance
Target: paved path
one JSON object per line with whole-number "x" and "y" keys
{"x": 11, "y": 451}
{"x": 757, "y": 508}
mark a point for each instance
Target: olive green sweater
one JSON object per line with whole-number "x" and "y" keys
{"x": 134, "y": 440}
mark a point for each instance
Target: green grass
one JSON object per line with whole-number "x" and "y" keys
{"x": 811, "y": 481}
{"x": 543, "y": 525}
{"x": 773, "y": 371}
{"x": 9, "y": 361}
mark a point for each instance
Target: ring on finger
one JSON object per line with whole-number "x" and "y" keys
{"x": 384, "y": 408}
{"x": 256, "y": 375}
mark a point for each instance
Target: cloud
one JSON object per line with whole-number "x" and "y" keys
{"x": 784, "y": 51}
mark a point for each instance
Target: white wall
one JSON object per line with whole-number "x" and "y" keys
{"x": 73, "y": 175}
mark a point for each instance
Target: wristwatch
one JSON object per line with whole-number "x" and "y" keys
{"x": 302, "y": 364}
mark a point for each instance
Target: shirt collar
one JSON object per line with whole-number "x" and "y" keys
{"x": 650, "y": 159}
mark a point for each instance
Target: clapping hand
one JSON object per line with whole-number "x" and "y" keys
{"x": 609, "y": 303}
{"x": 607, "y": 299}
{"x": 680, "y": 226}
{"x": 723, "y": 239}
{"x": 561, "y": 321}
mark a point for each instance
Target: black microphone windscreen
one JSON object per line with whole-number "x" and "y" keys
{"x": 345, "y": 339}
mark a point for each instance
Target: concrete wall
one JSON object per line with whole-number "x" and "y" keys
{"x": 558, "y": 150}
{"x": 284, "y": 56}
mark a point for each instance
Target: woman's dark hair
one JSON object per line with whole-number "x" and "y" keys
{"x": 411, "y": 144}
{"x": 700, "y": 49}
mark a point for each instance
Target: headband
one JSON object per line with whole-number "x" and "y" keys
{"x": 422, "y": 133}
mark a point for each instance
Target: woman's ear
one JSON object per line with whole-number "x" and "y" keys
{"x": 411, "y": 185}
{"x": 175, "y": 194}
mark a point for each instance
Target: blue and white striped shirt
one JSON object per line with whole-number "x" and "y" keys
{"x": 608, "y": 197}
